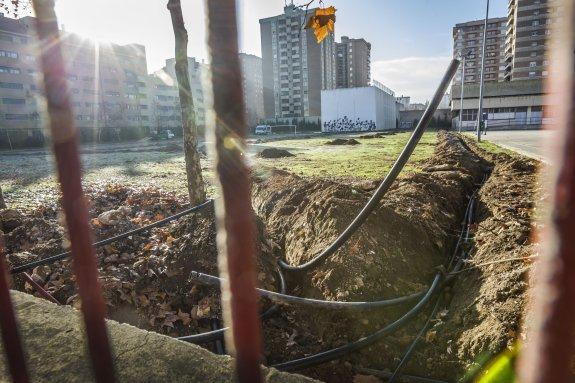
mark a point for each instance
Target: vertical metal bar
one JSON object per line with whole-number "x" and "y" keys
{"x": 10, "y": 334}
{"x": 64, "y": 141}
{"x": 549, "y": 355}
{"x": 462, "y": 84}
{"x": 39, "y": 289}
{"x": 236, "y": 225}
{"x": 480, "y": 109}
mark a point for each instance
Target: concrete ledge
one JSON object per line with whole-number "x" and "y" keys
{"x": 54, "y": 340}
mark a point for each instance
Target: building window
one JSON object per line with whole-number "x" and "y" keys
{"x": 533, "y": 64}
{"x": 532, "y": 74}
{"x": 10, "y": 54}
{"x": 7, "y": 69}
{"x": 19, "y": 117}
{"x": 11, "y": 85}
{"x": 13, "y": 101}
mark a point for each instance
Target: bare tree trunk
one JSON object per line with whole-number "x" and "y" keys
{"x": 193, "y": 168}
{"x": 2, "y": 202}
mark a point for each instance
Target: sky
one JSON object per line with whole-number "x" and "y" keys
{"x": 411, "y": 39}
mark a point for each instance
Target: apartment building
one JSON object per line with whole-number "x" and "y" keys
{"x": 529, "y": 26}
{"x": 107, "y": 83}
{"x": 165, "y": 95}
{"x": 468, "y": 40}
{"x": 295, "y": 67}
{"x": 353, "y": 63}
{"x": 253, "y": 88}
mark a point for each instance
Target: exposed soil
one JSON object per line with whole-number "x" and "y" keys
{"x": 274, "y": 153}
{"x": 396, "y": 252}
{"x": 343, "y": 141}
{"x": 144, "y": 277}
{"x": 377, "y": 135}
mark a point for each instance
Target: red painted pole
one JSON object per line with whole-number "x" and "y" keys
{"x": 236, "y": 224}
{"x": 64, "y": 141}
{"x": 549, "y": 355}
{"x": 10, "y": 334}
{"x": 39, "y": 289}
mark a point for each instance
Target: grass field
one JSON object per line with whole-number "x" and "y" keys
{"x": 27, "y": 177}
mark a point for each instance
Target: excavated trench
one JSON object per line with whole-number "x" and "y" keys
{"x": 396, "y": 252}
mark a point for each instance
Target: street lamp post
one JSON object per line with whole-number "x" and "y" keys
{"x": 480, "y": 110}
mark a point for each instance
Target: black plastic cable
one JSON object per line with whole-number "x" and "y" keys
{"x": 62, "y": 256}
{"x": 411, "y": 348}
{"x": 338, "y": 352}
{"x": 211, "y": 336}
{"x": 404, "y": 378}
{"x": 385, "y": 185}
{"x": 210, "y": 280}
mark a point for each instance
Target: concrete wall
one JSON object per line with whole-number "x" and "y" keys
{"x": 358, "y": 109}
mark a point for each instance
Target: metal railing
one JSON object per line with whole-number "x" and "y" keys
{"x": 236, "y": 225}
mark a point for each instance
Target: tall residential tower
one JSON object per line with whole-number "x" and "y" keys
{"x": 468, "y": 40}
{"x": 353, "y": 60}
{"x": 253, "y": 88}
{"x": 295, "y": 67}
{"x": 529, "y": 26}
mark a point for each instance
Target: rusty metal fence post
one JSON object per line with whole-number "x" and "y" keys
{"x": 236, "y": 224}
{"x": 549, "y": 355}
{"x": 64, "y": 141}
{"x": 10, "y": 334}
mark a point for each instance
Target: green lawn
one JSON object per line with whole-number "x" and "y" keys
{"x": 370, "y": 160}
{"x": 27, "y": 178}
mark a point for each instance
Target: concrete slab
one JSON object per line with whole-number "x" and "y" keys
{"x": 56, "y": 351}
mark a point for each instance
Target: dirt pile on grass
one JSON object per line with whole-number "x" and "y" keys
{"x": 343, "y": 141}
{"x": 490, "y": 295}
{"x": 274, "y": 153}
{"x": 396, "y": 252}
{"x": 406, "y": 237}
{"x": 377, "y": 135}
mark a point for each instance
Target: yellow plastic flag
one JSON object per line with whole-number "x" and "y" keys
{"x": 322, "y": 22}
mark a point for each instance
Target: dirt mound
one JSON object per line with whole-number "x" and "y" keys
{"x": 144, "y": 277}
{"x": 274, "y": 153}
{"x": 396, "y": 252}
{"x": 377, "y": 135}
{"x": 343, "y": 141}
{"x": 489, "y": 298}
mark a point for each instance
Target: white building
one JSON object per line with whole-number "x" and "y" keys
{"x": 359, "y": 109}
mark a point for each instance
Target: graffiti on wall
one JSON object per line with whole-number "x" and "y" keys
{"x": 345, "y": 124}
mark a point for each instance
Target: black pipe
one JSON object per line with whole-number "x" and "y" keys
{"x": 397, "y": 373}
{"x": 62, "y": 256}
{"x": 211, "y": 280}
{"x": 218, "y": 344}
{"x": 212, "y": 336}
{"x": 338, "y": 352}
{"x": 403, "y": 378}
{"x": 385, "y": 185}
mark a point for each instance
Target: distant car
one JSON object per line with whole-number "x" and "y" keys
{"x": 164, "y": 135}
{"x": 263, "y": 129}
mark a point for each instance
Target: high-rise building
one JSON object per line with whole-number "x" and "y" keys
{"x": 353, "y": 61}
{"x": 166, "y": 111}
{"x": 295, "y": 67}
{"x": 529, "y": 25}
{"x": 468, "y": 40}
{"x": 253, "y": 88}
{"x": 107, "y": 83}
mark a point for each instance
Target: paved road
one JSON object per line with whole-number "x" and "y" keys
{"x": 537, "y": 144}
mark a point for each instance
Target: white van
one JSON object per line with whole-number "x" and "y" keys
{"x": 263, "y": 129}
